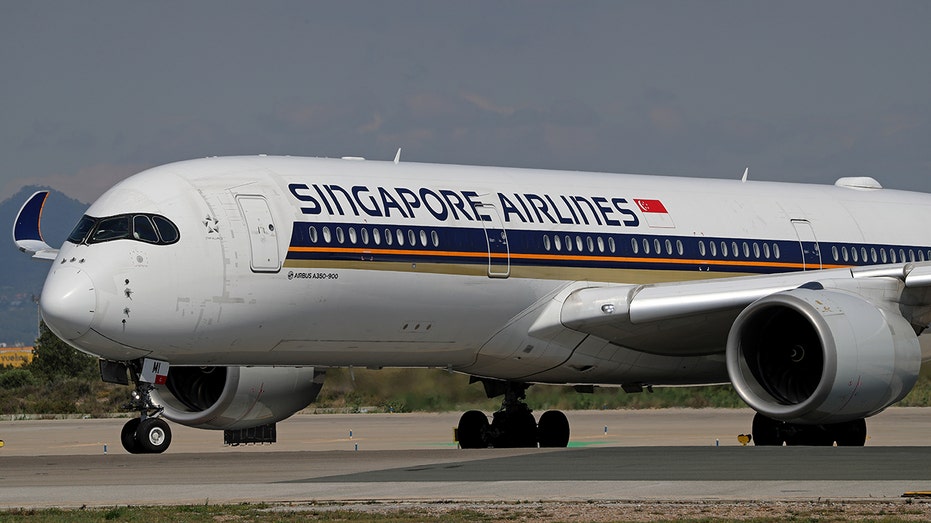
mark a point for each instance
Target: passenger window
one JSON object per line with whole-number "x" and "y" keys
{"x": 590, "y": 243}
{"x": 352, "y": 236}
{"x": 766, "y": 250}
{"x": 724, "y": 249}
{"x": 423, "y": 238}
{"x": 776, "y": 250}
{"x": 436, "y": 238}
{"x": 111, "y": 229}
{"x": 144, "y": 230}
{"x": 568, "y": 243}
{"x": 835, "y": 253}
{"x": 668, "y": 246}
{"x": 611, "y": 245}
{"x": 340, "y": 237}
{"x": 365, "y": 235}
{"x": 601, "y": 244}
{"x": 701, "y": 248}
{"x": 326, "y": 234}
{"x": 578, "y": 243}
{"x": 312, "y": 234}
{"x": 556, "y": 242}
{"x": 546, "y": 242}
{"x": 400, "y": 235}
{"x": 714, "y": 248}
{"x": 680, "y": 248}
{"x": 412, "y": 237}
{"x": 756, "y": 250}
{"x": 376, "y": 236}
{"x": 634, "y": 246}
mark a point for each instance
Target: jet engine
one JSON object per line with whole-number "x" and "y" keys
{"x": 816, "y": 356}
{"x": 229, "y": 398}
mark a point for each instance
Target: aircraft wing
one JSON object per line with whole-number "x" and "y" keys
{"x": 26, "y": 232}
{"x": 695, "y": 317}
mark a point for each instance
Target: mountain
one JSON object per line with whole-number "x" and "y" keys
{"x": 21, "y": 277}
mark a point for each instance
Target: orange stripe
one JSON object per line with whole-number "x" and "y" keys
{"x": 559, "y": 257}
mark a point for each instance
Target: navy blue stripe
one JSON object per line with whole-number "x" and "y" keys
{"x": 524, "y": 242}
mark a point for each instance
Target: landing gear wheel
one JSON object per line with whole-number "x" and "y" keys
{"x": 553, "y": 429}
{"x": 514, "y": 429}
{"x": 472, "y": 428}
{"x": 153, "y": 435}
{"x": 766, "y": 431}
{"x": 850, "y": 434}
{"x": 128, "y": 436}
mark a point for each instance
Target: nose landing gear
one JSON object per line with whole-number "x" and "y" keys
{"x": 149, "y": 433}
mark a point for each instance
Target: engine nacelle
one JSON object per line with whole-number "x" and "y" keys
{"x": 821, "y": 356}
{"x": 236, "y": 397}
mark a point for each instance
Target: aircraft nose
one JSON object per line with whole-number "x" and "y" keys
{"x": 68, "y": 302}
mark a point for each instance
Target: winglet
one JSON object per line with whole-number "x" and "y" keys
{"x": 26, "y": 233}
{"x": 397, "y": 157}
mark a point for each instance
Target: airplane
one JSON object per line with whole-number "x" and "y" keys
{"x": 223, "y": 288}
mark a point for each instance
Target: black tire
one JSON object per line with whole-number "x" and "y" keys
{"x": 128, "y": 436}
{"x": 812, "y": 436}
{"x": 850, "y": 434}
{"x": 473, "y": 425}
{"x": 514, "y": 430}
{"x": 553, "y": 429}
{"x": 766, "y": 431}
{"x": 154, "y": 435}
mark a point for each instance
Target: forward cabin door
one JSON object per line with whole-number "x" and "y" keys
{"x": 811, "y": 250}
{"x": 263, "y": 235}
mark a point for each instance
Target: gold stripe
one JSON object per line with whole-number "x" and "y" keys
{"x": 556, "y": 257}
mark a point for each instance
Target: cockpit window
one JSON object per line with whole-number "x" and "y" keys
{"x": 143, "y": 229}
{"x": 81, "y": 229}
{"x": 149, "y": 228}
{"x": 166, "y": 229}
{"x": 111, "y": 229}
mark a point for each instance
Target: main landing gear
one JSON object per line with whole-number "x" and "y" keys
{"x": 769, "y": 432}
{"x": 149, "y": 433}
{"x": 513, "y": 425}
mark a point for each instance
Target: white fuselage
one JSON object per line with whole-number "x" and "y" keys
{"x": 295, "y": 261}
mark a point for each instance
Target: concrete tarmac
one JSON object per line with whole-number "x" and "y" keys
{"x": 676, "y": 454}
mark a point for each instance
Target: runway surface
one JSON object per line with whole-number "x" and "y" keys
{"x": 648, "y": 455}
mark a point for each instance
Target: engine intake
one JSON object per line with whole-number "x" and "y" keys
{"x": 226, "y": 398}
{"x": 821, "y": 356}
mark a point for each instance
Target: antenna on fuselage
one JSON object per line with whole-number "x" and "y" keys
{"x": 397, "y": 157}
{"x": 746, "y": 173}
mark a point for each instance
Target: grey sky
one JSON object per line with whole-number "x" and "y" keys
{"x": 94, "y": 91}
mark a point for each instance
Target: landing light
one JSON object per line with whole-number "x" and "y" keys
{"x": 607, "y": 308}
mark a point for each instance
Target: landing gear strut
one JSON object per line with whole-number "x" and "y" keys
{"x": 513, "y": 425}
{"x": 768, "y": 431}
{"x": 149, "y": 433}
